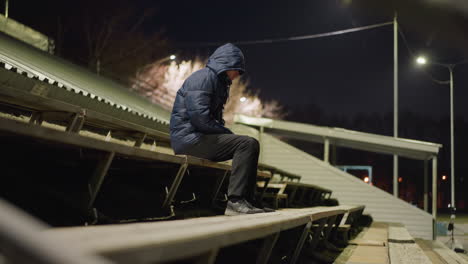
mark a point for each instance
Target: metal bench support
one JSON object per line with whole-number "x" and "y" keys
{"x": 77, "y": 122}
{"x": 317, "y": 233}
{"x": 269, "y": 243}
{"x": 219, "y": 184}
{"x": 98, "y": 177}
{"x": 208, "y": 258}
{"x": 175, "y": 184}
{"x": 140, "y": 140}
{"x": 300, "y": 243}
{"x": 36, "y": 118}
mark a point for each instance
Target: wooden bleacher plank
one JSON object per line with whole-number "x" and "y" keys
{"x": 21, "y": 241}
{"x": 218, "y": 165}
{"x": 308, "y": 185}
{"x": 274, "y": 170}
{"x": 438, "y": 253}
{"x": 398, "y": 233}
{"x": 375, "y": 235}
{"x": 407, "y": 253}
{"x": 164, "y": 241}
{"x": 402, "y": 247}
{"x": 429, "y": 246}
{"x": 20, "y": 128}
{"x": 449, "y": 256}
{"x": 369, "y": 255}
{"x": 207, "y": 163}
{"x": 371, "y": 246}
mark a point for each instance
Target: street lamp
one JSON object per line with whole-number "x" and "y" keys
{"x": 421, "y": 61}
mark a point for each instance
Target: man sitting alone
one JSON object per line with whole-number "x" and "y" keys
{"x": 197, "y": 126}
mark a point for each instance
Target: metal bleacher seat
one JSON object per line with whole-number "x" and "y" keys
{"x": 108, "y": 160}
{"x": 291, "y": 192}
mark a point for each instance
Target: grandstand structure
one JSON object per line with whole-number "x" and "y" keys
{"x": 93, "y": 162}
{"x": 349, "y": 190}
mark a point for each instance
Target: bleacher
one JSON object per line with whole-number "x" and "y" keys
{"x": 99, "y": 172}
{"x": 172, "y": 186}
{"x": 93, "y": 161}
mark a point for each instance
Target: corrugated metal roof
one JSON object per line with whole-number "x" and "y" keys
{"x": 348, "y": 189}
{"x": 345, "y": 138}
{"x": 54, "y": 70}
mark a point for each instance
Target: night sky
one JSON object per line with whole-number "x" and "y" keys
{"x": 336, "y": 78}
{"x": 342, "y": 75}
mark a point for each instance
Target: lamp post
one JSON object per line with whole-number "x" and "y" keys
{"x": 6, "y": 8}
{"x": 422, "y": 61}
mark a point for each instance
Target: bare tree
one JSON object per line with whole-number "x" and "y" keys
{"x": 160, "y": 82}
{"x": 114, "y": 38}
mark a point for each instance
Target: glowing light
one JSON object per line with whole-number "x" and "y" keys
{"x": 243, "y": 99}
{"x": 172, "y": 57}
{"x": 400, "y": 179}
{"x": 366, "y": 179}
{"x": 444, "y": 177}
{"x": 421, "y": 60}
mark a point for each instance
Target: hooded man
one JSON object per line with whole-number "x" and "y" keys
{"x": 197, "y": 126}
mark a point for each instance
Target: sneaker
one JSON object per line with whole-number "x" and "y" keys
{"x": 268, "y": 210}
{"x": 259, "y": 205}
{"x": 241, "y": 207}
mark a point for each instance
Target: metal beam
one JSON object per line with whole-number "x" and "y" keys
{"x": 300, "y": 243}
{"x": 326, "y": 150}
{"x": 97, "y": 179}
{"x": 269, "y": 243}
{"x": 395, "y": 176}
{"x": 260, "y": 140}
{"x": 140, "y": 140}
{"x": 36, "y": 118}
{"x": 208, "y": 258}
{"x": 434, "y": 188}
{"x": 218, "y": 185}
{"x": 77, "y": 122}
{"x": 426, "y": 200}
{"x": 175, "y": 184}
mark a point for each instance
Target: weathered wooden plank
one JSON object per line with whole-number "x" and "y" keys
{"x": 163, "y": 241}
{"x": 450, "y": 256}
{"x": 402, "y": 247}
{"x": 428, "y": 247}
{"x": 22, "y": 241}
{"x": 375, "y": 235}
{"x": 369, "y": 255}
{"x": 53, "y": 135}
{"x": 217, "y": 165}
{"x": 407, "y": 253}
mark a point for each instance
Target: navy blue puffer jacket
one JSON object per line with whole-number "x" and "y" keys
{"x": 199, "y": 104}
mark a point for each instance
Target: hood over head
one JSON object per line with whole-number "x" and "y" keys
{"x": 227, "y": 57}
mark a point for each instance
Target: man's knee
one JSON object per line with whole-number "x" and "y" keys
{"x": 252, "y": 143}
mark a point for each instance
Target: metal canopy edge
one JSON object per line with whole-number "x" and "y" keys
{"x": 409, "y": 148}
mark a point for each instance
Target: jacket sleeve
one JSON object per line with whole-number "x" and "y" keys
{"x": 198, "y": 101}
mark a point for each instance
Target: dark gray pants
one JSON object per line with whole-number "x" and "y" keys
{"x": 243, "y": 151}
